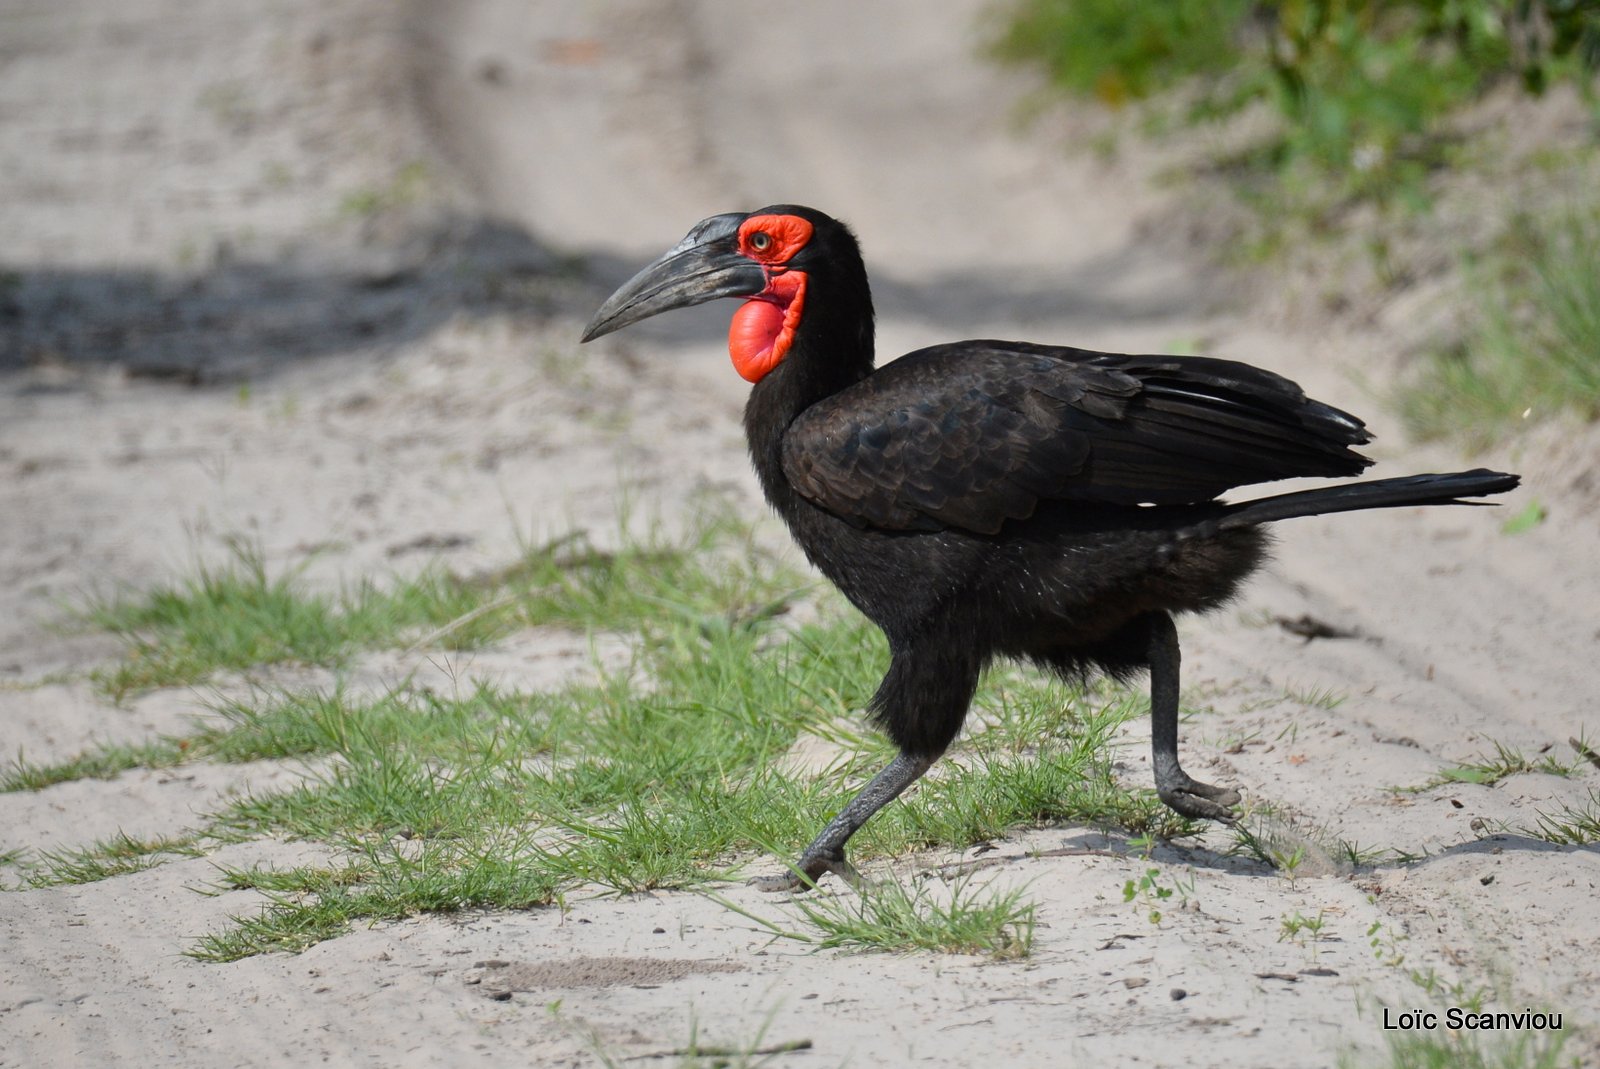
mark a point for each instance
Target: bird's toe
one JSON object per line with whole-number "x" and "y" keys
{"x": 1221, "y": 795}
{"x": 1192, "y": 803}
{"x": 781, "y": 883}
{"x": 805, "y": 873}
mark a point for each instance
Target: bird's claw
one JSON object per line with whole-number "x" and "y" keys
{"x": 1201, "y": 801}
{"x": 804, "y": 874}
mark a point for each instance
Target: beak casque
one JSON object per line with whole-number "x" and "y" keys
{"x": 705, "y": 265}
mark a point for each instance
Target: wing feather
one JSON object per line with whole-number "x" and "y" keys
{"x": 975, "y": 434}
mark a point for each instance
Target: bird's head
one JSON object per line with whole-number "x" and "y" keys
{"x": 773, "y": 258}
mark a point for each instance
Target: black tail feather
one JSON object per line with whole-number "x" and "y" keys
{"x": 1446, "y": 489}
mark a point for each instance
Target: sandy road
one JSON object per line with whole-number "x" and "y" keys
{"x": 161, "y": 154}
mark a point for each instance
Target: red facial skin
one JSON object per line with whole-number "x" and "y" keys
{"x": 763, "y": 328}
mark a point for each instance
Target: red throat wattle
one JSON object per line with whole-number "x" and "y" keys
{"x": 763, "y": 328}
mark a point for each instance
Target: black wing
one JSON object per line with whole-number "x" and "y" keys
{"x": 973, "y": 434}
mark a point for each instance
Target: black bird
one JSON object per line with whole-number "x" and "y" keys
{"x": 989, "y": 499}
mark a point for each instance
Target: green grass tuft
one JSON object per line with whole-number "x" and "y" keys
{"x": 953, "y": 917}
{"x": 1570, "y": 826}
{"x": 103, "y": 762}
{"x": 306, "y": 906}
{"x": 1469, "y": 1050}
{"x": 1487, "y": 770}
{"x": 659, "y": 783}
{"x": 957, "y": 919}
{"x": 236, "y": 616}
{"x": 117, "y": 856}
{"x": 664, "y": 774}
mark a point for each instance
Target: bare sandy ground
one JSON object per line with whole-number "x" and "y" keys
{"x": 311, "y": 274}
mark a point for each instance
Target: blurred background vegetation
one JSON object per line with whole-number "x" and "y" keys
{"x": 1366, "y": 105}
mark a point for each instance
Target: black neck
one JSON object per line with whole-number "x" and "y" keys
{"x": 832, "y": 350}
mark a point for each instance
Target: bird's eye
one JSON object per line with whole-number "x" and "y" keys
{"x": 761, "y": 241}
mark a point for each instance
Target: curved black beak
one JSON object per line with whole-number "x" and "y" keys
{"x": 703, "y": 266}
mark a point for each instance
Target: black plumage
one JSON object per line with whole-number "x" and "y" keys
{"x": 990, "y": 499}
{"x": 978, "y": 433}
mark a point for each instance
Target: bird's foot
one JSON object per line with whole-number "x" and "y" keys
{"x": 1201, "y": 801}
{"x": 804, "y": 874}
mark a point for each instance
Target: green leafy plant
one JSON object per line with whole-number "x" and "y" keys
{"x": 1120, "y": 52}
{"x": 1299, "y": 926}
{"x": 1362, "y": 85}
{"x": 1152, "y": 894}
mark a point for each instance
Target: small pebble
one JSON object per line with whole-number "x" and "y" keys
{"x": 1178, "y": 994}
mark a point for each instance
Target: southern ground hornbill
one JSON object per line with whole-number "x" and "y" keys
{"x": 992, "y": 499}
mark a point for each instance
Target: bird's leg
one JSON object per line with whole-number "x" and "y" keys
{"x": 1187, "y": 796}
{"x": 826, "y": 853}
